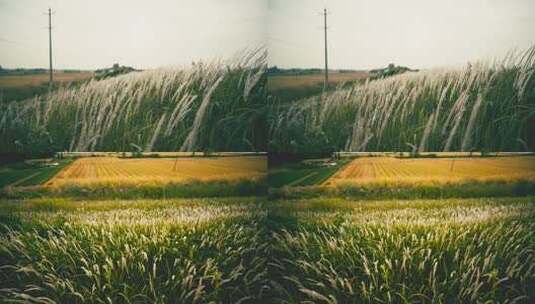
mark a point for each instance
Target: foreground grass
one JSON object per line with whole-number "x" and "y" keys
{"x": 446, "y": 251}
{"x": 180, "y": 251}
{"x": 244, "y": 250}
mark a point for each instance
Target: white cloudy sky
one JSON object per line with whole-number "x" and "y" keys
{"x": 97, "y": 33}
{"x": 363, "y": 33}
{"x": 417, "y": 33}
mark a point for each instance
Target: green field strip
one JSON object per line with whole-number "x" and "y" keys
{"x": 47, "y": 174}
{"x": 14, "y": 177}
{"x": 292, "y": 176}
{"x": 300, "y": 180}
{"x": 22, "y": 180}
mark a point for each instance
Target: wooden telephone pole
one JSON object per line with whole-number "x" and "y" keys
{"x": 51, "y": 77}
{"x": 326, "y": 83}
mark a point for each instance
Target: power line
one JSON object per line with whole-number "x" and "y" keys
{"x": 8, "y": 41}
{"x": 284, "y": 42}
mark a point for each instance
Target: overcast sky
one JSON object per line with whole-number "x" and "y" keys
{"x": 417, "y": 33}
{"x": 363, "y": 33}
{"x": 144, "y": 34}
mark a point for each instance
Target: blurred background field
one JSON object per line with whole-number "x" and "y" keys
{"x": 27, "y": 83}
{"x": 290, "y": 85}
{"x": 37, "y": 79}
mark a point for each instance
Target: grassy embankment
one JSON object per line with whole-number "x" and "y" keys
{"x": 216, "y": 106}
{"x": 480, "y": 107}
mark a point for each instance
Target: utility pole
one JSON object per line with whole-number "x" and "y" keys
{"x": 50, "y": 79}
{"x": 326, "y": 83}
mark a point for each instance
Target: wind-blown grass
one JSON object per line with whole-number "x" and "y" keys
{"x": 485, "y": 106}
{"x": 448, "y": 251}
{"x": 178, "y": 251}
{"x": 205, "y": 107}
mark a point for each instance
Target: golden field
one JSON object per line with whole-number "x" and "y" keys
{"x": 112, "y": 170}
{"x": 368, "y": 170}
{"x": 279, "y": 82}
{"x": 32, "y": 80}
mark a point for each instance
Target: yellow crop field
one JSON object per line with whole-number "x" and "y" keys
{"x": 437, "y": 170}
{"x": 32, "y": 80}
{"x": 279, "y": 82}
{"x": 113, "y": 170}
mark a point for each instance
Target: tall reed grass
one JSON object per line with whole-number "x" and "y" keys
{"x": 205, "y": 107}
{"x": 485, "y": 106}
